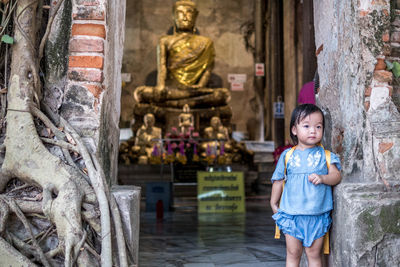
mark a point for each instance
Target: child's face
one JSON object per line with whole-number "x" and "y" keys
{"x": 309, "y": 130}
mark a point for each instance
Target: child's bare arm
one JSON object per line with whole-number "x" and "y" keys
{"x": 332, "y": 178}
{"x": 276, "y": 193}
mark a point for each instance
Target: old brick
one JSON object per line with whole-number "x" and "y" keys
{"x": 86, "y": 45}
{"x": 81, "y": 74}
{"x": 383, "y": 147}
{"x": 396, "y": 22}
{"x": 86, "y": 62}
{"x": 88, "y": 13}
{"x": 319, "y": 50}
{"x": 363, "y": 13}
{"x": 89, "y": 30}
{"x": 390, "y": 90}
{"x": 94, "y": 89}
{"x": 383, "y": 76}
{"x": 386, "y": 12}
{"x": 368, "y": 91}
{"x": 387, "y": 49}
{"x": 385, "y": 37}
{"x": 395, "y": 37}
{"x": 87, "y": 2}
{"x": 78, "y": 95}
{"x": 379, "y": 2}
{"x": 380, "y": 64}
{"x": 366, "y": 105}
{"x": 395, "y": 50}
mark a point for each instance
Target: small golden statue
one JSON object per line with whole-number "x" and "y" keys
{"x": 216, "y": 130}
{"x": 218, "y": 142}
{"x": 184, "y": 65}
{"x": 147, "y": 139}
{"x": 186, "y": 120}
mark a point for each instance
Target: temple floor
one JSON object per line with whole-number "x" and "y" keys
{"x": 185, "y": 238}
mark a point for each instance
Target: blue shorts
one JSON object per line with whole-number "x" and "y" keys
{"x": 305, "y": 228}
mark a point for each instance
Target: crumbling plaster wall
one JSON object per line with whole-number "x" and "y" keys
{"x": 355, "y": 90}
{"x": 342, "y": 80}
{"x": 147, "y": 21}
{"x": 363, "y": 128}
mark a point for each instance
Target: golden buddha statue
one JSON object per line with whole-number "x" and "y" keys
{"x": 216, "y": 130}
{"x": 217, "y": 135}
{"x": 186, "y": 120}
{"x": 184, "y": 64}
{"x": 147, "y": 137}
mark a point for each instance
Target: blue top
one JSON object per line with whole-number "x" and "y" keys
{"x": 301, "y": 197}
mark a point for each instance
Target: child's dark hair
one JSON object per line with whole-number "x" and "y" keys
{"x": 299, "y": 113}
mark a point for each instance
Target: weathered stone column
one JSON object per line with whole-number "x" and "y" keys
{"x": 363, "y": 126}
{"x": 128, "y": 200}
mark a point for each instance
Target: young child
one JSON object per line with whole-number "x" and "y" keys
{"x": 303, "y": 214}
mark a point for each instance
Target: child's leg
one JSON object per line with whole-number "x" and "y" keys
{"x": 314, "y": 253}
{"x": 294, "y": 249}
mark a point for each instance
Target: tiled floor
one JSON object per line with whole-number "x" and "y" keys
{"x": 185, "y": 238}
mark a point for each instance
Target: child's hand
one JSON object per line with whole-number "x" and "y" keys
{"x": 315, "y": 178}
{"x": 274, "y": 208}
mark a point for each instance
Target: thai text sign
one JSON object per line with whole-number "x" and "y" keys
{"x": 220, "y": 192}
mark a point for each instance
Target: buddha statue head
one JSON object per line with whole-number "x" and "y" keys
{"x": 184, "y": 15}
{"x": 149, "y": 120}
{"x": 215, "y": 123}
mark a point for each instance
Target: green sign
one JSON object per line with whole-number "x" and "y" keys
{"x": 220, "y": 192}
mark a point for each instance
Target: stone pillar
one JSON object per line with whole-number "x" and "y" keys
{"x": 128, "y": 201}
{"x": 363, "y": 124}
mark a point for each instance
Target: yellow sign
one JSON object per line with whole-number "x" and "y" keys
{"x": 220, "y": 192}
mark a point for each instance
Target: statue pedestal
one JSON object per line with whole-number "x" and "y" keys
{"x": 168, "y": 117}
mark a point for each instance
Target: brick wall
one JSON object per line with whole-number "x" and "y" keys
{"x": 91, "y": 97}
{"x": 86, "y": 48}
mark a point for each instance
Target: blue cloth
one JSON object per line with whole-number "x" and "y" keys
{"x": 301, "y": 197}
{"x": 305, "y": 228}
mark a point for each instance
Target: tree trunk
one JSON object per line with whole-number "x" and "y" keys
{"x": 64, "y": 188}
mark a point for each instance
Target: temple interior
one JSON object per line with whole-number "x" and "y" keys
{"x": 179, "y": 119}
{"x": 208, "y": 88}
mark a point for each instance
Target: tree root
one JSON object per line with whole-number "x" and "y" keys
{"x": 60, "y": 135}
{"x": 4, "y": 179}
{"x": 60, "y": 143}
{"x": 98, "y": 186}
{"x": 4, "y": 213}
{"x": 65, "y": 190}
{"x": 14, "y": 207}
{"x": 25, "y": 248}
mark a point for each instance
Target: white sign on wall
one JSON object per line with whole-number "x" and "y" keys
{"x": 237, "y": 86}
{"x": 237, "y": 81}
{"x": 237, "y": 78}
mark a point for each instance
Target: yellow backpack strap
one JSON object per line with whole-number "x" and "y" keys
{"x": 326, "y": 236}
{"x": 277, "y": 232}
{"x": 328, "y": 158}
{"x": 287, "y": 157}
{"x": 326, "y": 243}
